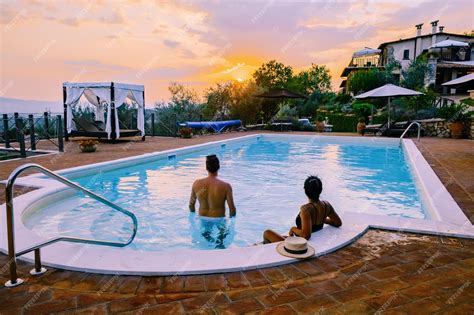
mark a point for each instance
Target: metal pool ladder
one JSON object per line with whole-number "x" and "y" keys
{"x": 408, "y": 128}
{"x": 12, "y": 255}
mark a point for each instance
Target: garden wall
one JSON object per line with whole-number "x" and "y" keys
{"x": 471, "y": 128}
{"x": 436, "y": 127}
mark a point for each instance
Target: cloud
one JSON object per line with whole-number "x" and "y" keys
{"x": 90, "y": 63}
{"x": 232, "y": 69}
{"x": 170, "y": 43}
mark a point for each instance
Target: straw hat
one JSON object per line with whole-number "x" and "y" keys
{"x": 295, "y": 247}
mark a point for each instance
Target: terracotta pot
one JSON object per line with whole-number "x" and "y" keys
{"x": 320, "y": 126}
{"x": 88, "y": 148}
{"x": 360, "y": 128}
{"x": 456, "y": 130}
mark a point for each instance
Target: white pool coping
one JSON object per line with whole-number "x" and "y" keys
{"x": 445, "y": 218}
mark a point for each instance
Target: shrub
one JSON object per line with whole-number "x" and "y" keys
{"x": 286, "y": 112}
{"x": 342, "y": 123}
{"x": 362, "y": 109}
{"x": 455, "y": 112}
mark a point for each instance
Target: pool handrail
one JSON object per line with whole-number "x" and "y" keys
{"x": 408, "y": 128}
{"x": 12, "y": 255}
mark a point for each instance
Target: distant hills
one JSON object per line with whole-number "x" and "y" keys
{"x": 12, "y": 105}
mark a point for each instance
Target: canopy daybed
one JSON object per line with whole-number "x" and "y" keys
{"x": 108, "y": 95}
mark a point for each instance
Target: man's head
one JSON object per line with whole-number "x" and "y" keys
{"x": 212, "y": 164}
{"x": 313, "y": 187}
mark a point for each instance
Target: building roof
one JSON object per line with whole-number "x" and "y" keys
{"x": 424, "y": 36}
{"x": 349, "y": 69}
{"x": 456, "y": 64}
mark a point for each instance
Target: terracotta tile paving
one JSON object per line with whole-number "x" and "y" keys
{"x": 384, "y": 272}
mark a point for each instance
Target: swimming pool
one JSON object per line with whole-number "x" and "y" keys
{"x": 372, "y": 182}
{"x": 267, "y": 175}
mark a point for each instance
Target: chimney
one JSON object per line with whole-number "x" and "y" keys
{"x": 418, "y": 29}
{"x": 418, "y": 40}
{"x": 434, "y": 25}
{"x": 441, "y": 29}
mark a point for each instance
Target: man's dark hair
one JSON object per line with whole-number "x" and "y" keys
{"x": 313, "y": 187}
{"x": 212, "y": 163}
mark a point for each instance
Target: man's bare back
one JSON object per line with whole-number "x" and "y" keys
{"x": 212, "y": 193}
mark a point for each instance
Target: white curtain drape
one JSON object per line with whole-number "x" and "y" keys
{"x": 104, "y": 95}
{"x": 120, "y": 96}
{"x": 73, "y": 95}
{"x": 99, "y": 106}
{"x": 137, "y": 96}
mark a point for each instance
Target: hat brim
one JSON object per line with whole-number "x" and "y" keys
{"x": 281, "y": 250}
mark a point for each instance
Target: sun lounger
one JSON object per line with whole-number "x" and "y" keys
{"x": 396, "y": 129}
{"x": 85, "y": 128}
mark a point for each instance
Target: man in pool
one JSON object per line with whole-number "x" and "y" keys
{"x": 212, "y": 192}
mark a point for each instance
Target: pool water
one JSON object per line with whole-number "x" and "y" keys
{"x": 267, "y": 176}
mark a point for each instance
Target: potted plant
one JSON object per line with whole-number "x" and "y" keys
{"x": 456, "y": 116}
{"x": 88, "y": 146}
{"x": 361, "y": 126}
{"x": 320, "y": 123}
{"x": 186, "y": 132}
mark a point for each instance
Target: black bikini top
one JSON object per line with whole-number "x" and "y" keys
{"x": 316, "y": 227}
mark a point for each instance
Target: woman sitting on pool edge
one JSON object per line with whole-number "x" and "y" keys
{"x": 312, "y": 216}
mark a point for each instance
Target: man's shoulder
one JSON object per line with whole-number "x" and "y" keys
{"x": 198, "y": 181}
{"x": 224, "y": 183}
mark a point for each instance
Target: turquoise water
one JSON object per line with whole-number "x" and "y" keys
{"x": 267, "y": 176}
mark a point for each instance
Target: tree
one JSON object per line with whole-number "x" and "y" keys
{"x": 183, "y": 106}
{"x": 182, "y": 96}
{"x": 414, "y": 75}
{"x": 273, "y": 75}
{"x": 317, "y": 78}
{"x": 414, "y": 78}
{"x": 245, "y": 106}
{"x": 219, "y": 100}
{"x": 286, "y": 112}
{"x": 365, "y": 80}
{"x": 388, "y": 71}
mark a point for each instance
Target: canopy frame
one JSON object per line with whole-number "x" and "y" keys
{"x": 107, "y": 91}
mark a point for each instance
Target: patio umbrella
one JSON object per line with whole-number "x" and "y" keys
{"x": 389, "y": 91}
{"x": 449, "y": 43}
{"x": 281, "y": 93}
{"x": 461, "y": 80}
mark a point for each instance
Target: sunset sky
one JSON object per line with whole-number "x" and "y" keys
{"x": 44, "y": 43}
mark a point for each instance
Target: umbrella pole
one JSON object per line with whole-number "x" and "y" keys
{"x": 389, "y": 112}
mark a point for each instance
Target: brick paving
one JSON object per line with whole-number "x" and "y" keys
{"x": 382, "y": 272}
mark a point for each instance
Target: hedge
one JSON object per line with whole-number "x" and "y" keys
{"x": 342, "y": 123}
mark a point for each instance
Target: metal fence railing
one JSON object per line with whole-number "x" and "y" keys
{"x": 22, "y": 132}
{"x": 25, "y": 131}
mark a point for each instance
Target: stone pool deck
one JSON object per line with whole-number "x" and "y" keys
{"x": 384, "y": 272}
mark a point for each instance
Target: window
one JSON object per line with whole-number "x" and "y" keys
{"x": 406, "y": 54}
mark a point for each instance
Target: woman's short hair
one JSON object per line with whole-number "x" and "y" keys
{"x": 212, "y": 163}
{"x": 313, "y": 187}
